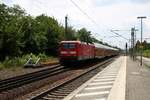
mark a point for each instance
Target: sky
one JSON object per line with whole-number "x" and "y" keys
{"x": 97, "y": 16}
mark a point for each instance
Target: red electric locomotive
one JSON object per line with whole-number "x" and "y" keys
{"x": 72, "y": 51}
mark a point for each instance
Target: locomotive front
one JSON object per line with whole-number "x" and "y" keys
{"x": 68, "y": 51}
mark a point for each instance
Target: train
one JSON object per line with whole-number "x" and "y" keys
{"x": 77, "y": 51}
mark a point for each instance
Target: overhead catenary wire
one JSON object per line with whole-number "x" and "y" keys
{"x": 119, "y": 35}
{"x": 85, "y": 14}
{"x": 94, "y": 21}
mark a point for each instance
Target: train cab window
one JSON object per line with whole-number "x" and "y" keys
{"x": 68, "y": 46}
{"x": 71, "y": 46}
{"x": 65, "y": 46}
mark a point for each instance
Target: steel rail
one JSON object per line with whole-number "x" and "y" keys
{"x": 14, "y": 82}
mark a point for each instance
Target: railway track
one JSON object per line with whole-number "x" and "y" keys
{"x": 60, "y": 91}
{"x": 14, "y": 82}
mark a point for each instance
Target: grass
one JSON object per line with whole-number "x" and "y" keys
{"x": 20, "y": 61}
{"x": 49, "y": 60}
{"x": 147, "y": 65}
{"x": 1, "y": 66}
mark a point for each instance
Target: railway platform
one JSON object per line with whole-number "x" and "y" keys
{"x": 124, "y": 79}
{"x": 108, "y": 84}
{"x": 146, "y": 61}
{"x": 137, "y": 81}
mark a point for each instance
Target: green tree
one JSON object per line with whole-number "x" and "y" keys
{"x": 84, "y": 35}
{"x": 52, "y": 30}
{"x": 29, "y": 38}
{"x": 9, "y": 26}
{"x": 71, "y": 34}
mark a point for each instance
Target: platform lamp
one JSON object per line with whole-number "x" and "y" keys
{"x": 141, "y": 17}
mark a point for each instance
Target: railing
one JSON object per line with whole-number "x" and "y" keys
{"x": 30, "y": 63}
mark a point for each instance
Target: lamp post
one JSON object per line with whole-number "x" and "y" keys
{"x": 141, "y": 17}
{"x": 66, "y": 28}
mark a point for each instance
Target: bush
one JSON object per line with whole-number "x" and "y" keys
{"x": 20, "y": 61}
{"x": 43, "y": 57}
{"x": 14, "y": 62}
{"x": 26, "y": 57}
{"x": 17, "y": 61}
{"x": 146, "y": 53}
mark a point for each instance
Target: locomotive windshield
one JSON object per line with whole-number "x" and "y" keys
{"x": 68, "y": 46}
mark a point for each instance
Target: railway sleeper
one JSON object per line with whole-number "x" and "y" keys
{"x": 55, "y": 96}
{"x": 64, "y": 90}
{"x": 58, "y": 94}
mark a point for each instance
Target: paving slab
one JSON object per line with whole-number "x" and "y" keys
{"x": 137, "y": 81}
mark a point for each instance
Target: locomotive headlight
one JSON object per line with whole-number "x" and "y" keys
{"x": 63, "y": 52}
{"x": 73, "y": 52}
